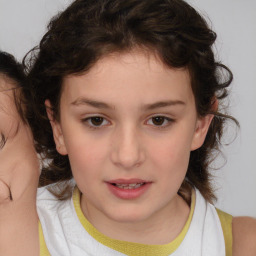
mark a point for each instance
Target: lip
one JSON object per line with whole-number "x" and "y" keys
{"x": 130, "y": 194}
{"x": 127, "y": 181}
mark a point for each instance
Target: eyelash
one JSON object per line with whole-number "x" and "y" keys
{"x": 88, "y": 121}
{"x": 167, "y": 120}
{"x": 3, "y": 141}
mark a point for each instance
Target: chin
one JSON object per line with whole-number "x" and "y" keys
{"x": 129, "y": 215}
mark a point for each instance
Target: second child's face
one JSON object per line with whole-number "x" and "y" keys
{"x": 17, "y": 153}
{"x": 128, "y": 126}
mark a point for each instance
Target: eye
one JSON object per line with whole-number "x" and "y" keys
{"x": 2, "y": 141}
{"x": 95, "y": 121}
{"x": 161, "y": 121}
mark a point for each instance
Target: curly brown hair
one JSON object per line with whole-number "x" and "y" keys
{"x": 90, "y": 29}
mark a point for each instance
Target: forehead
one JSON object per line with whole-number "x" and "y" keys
{"x": 129, "y": 74}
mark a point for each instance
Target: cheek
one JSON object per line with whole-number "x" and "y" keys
{"x": 174, "y": 159}
{"x": 86, "y": 156}
{"x": 171, "y": 155}
{"x": 171, "y": 164}
{"x": 87, "y": 163}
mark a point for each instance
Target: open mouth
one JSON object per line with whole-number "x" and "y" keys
{"x": 128, "y": 186}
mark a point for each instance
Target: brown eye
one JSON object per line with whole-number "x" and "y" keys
{"x": 158, "y": 120}
{"x": 97, "y": 121}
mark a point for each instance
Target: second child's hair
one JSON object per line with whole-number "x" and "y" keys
{"x": 12, "y": 71}
{"x": 91, "y": 29}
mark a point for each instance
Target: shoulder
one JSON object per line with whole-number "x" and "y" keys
{"x": 244, "y": 236}
{"x": 59, "y": 191}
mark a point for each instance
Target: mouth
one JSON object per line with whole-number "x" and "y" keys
{"x": 128, "y": 189}
{"x": 128, "y": 186}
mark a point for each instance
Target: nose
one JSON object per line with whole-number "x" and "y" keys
{"x": 127, "y": 150}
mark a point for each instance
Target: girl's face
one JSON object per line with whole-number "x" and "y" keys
{"x": 128, "y": 126}
{"x": 17, "y": 151}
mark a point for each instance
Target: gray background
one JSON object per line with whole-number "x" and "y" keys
{"x": 23, "y": 22}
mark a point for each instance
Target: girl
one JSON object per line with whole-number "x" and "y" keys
{"x": 19, "y": 168}
{"x": 133, "y": 94}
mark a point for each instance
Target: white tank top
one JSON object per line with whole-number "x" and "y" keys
{"x": 66, "y": 232}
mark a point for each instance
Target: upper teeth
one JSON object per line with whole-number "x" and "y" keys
{"x": 129, "y": 186}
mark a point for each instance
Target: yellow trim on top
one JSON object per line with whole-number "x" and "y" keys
{"x": 129, "y": 248}
{"x": 226, "y": 224}
{"x": 43, "y": 248}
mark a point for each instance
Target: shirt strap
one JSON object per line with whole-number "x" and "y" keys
{"x": 226, "y": 224}
{"x": 43, "y": 248}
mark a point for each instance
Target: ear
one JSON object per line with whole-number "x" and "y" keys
{"x": 56, "y": 129}
{"x": 201, "y": 129}
{"x": 202, "y": 126}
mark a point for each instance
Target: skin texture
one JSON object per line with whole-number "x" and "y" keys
{"x": 19, "y": 174}
{"x": 244, "y": 236}
{"x": 127, "y": 144}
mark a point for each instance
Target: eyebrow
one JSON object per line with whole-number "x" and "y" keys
{"x": 103, "y": 105}
{"x": 93, "y": 103}
{"x": 162, "y": 104}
